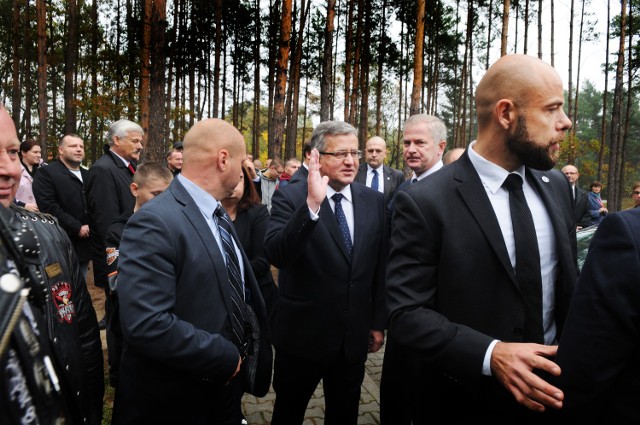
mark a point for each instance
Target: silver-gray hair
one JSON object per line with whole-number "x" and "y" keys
{"x": 436, "y": 125}
{"x": 330, "y": 128}
{"x": 121, "y": 128}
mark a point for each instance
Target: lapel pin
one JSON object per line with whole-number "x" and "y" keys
{"x": 545, "y": 179}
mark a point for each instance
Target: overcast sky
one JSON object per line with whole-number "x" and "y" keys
{"x": 593, "y": 53}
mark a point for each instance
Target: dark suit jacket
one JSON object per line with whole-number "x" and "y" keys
{"x": 109, "y": 197}
{"x": 301, "y": 175}
{"x": 108, "y": 191}
{"x": 392, "y": 179}
{"x": 451, "y": 289}
{"x": 598, "y": 351}
{"x": 328, "y": 301}
{"x": 60, "y": 193}
{"x": 581, "y": 208}
{"x": 175, "y": 308}
{"x": 251, "y": 225}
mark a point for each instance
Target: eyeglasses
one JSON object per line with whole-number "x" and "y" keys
{"x": 341, "y": 155}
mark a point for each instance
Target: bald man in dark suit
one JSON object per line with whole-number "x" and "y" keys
{"x": 486, "y": 336}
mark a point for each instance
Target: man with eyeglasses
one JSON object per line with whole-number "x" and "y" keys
{"x": 374, "y": 174}
{"x": 329, "y": 240}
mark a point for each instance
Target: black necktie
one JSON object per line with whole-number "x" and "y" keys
{"x": 342, "y": 221}
{"x": 414, "y": 181}
{"x": 374, "y": 180}
{"x": 527, "y": 259}
{"x": 233, "y": 271}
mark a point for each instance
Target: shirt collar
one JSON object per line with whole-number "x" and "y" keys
{"x": 203, "y": 200}
{"x": 126, "y": 163}
{"x": 438, "y": 165}
{"x": 346, "y": 192}
{"x": 492, "y": 175}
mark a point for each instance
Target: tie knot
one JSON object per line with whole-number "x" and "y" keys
{"x": 337, "y": 197}
{"x": 219, "y": 211}
{"x": 375, "y": 172}
{"x": 513, "y": 182}
{"x": 414, "y": 181}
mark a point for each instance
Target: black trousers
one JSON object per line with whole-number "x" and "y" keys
{"x": 295, "y": 379}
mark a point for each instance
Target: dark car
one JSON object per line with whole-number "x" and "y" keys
{"x": 584, "y": 237}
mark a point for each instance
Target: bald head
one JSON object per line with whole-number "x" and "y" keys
{"x": 9, "y": 159}
{"x": 375, "y": 151}
{"x": 212, "y": 156}
{"x": 452, "y": 155}
{"x": 521, "y": 120}
{"x": 514, "y": 77}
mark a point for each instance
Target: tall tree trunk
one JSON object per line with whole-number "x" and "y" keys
{"x": 364, "y": 79}
{"x": 553, "y": 33}
{"x": 335, "y": 64}
{"x": 157, "y": 112}
{"x": 274, "y": 39}
{"x": 505, "y": 27}
{"x": 348, "y": 52}
{"x": 418, "y": 59}
{"x": 572, "y": 149}
{"x": 145, "y": 68}
{"x": 401, "y": 73}
{"x": 380, "y": 77}
{"x": 294, "y": 84}
{"x": 357, "y": 64}
{"x": 615, "y": 143}
{"x": 16, "y": 93}
{"x": 216, "y": 62}
{"x": 489, "y": 28}
{"x": 275, "y": 144}
{"x": 41, "y": 22}
{"x": 172, "y": 65}
{"x": 629, "y": 106}
{"x": 326, "y": 99}
{"x": 131, "y": 68}
{"x": 70, "y": 60}
{"x": 539, "y": 29}
{"x": 526, "y": 27}
{"x": 605, "y": 95}
{"x": 26, "y": 71}
{"x": 570, "y": 67}
{"x": 93, "y": 126}
{"x": 255, "y": 140}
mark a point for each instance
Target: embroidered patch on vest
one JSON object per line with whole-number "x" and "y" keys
{"x": 53, "y": 270}
{"x": 112, "y": 255}
{"x": 61, "y": 292}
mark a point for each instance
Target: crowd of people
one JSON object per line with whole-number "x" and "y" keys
{"x": 223, "y": 277}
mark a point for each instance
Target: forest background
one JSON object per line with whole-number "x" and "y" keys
{"x": 274, "y": 68}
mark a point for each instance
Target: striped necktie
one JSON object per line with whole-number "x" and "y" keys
{"x": 233, "y": 271}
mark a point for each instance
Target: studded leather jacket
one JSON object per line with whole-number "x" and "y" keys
{"x": 71, "y": 319}
{"x": 29, "y": 383}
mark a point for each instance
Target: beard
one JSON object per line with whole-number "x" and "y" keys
{"x": 527, "y": 151}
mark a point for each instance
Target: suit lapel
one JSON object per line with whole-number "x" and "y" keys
{"x": 361, "y": 217}
{"x": 201, "y": 228}
{"x": 386, "y": 172}
{"x": 474, "y": 196}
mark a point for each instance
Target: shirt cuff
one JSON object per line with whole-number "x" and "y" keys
{"x": 314, "y": 215}
{"x": 486, "y": 364}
